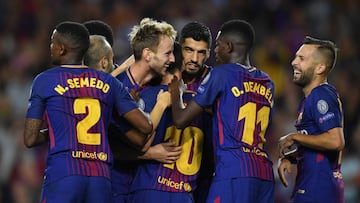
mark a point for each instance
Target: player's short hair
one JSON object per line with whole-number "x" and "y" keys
{"x": 98, "y": 27}
{"x": 147, "y": 35}
{"x": 197, "y": 31}
{"x": 177, "y": 65}
{"x": 74, "y": 35}
{"x": 326, "y": 48}
{"x": 99, "y": 47}
{"x": 240, "y": 28}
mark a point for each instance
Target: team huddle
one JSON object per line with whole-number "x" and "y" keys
{"x": 165, "y": 127}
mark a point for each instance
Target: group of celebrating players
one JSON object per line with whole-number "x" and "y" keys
{"x": 165, "y": 127}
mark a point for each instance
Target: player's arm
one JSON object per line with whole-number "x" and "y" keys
{"x": 283, "y": 168}
{"x": 166, "y": 152}
{"x": 136, "y": 145}
{"x": 163, "y": 152}
{"x": 287, "y": 157}
{"x": 125, "y": 148}
{"x": 182, "y": 116}
{"x": 32, "y": 135}
{"x": 128, "y": 62}
{"x": 142, "y": 125}
{"x": 136, "y": 135}
{"x": 163, "y": 101}
{"x": 332, "y": 139}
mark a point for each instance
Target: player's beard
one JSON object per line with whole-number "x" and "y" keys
{"x": 193, "y": 73}
{"x": 305, "y": 78}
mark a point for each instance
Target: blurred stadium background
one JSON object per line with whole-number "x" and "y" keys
{"x": 26, "y": 26}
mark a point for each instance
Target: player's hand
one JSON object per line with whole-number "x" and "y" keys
{"x": 166, "y": 152}
{"x": 174, "y": 85}
{"x": 285, "y": 144}
{"x": 284, "y": 166}
{"x": 164, "y": 97}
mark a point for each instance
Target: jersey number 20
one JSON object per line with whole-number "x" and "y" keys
{"x": 191, "y": 139}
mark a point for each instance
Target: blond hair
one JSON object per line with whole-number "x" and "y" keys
{"x": 147, "y": 35}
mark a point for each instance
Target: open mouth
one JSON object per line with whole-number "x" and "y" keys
{"x": 192, "y": 66}
{"x": 296, "y": 72}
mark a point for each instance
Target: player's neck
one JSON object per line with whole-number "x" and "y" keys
{"x": 190, "y": 78}
{"x": 242, "y": 60}
{"x": 140, "y": 73}
{"x": 315, "y": 83}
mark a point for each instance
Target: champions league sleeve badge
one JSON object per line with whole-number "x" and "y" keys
{"x": 322, "y": 106}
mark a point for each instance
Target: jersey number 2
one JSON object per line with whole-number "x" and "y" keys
{"x": 92, "y": 108}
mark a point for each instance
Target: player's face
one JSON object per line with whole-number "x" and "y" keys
{"x": 220, "y": 50}
{"x": 55, "y": 49}
{"x": 194, "y": 53}
{"x": 161, "y": 59}
{"x": 304, "y": 65}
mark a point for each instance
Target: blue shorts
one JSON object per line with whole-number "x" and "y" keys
{"x": 77, "y": 189}
{"x": 142, "y": 196}
{"x": 323, "y": 189}
{"x": 121, "y": 180}
{"x": 201, "y": 192}
{"x": 120, "y": 198}
{"x": 241, "y": 190}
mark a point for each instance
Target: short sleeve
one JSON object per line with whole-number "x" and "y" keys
{"x": 36, "y": 104}
{"x": 327, "y": 111}
{"x": 209, "y": 89}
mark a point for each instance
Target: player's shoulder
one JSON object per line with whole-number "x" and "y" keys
{"x": 46, "y": 74}
{"x": 222, "y": 69}
{"x": 322, "y": 95}
{"x": 122, "y": 76}
{"x": 324, "y": 90}
{"x": 51, "y": 70}
{"x": 258, "y": 72}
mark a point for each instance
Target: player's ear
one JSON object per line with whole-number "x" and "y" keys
{"x": 62, "y": 49}
{"x": 321, "y": 69}
{"x": 229, "y": 47}
{"x": 147, "y": 54}
{"x": 104, "y": 62}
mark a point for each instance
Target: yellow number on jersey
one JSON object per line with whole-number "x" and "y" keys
{"x": 83, "y": 126}
{"x": 252, "y": 118}
{"x": 191, "y": 139}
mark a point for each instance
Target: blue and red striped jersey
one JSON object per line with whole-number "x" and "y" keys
{"x": 182, "y": 175}
{"x": 77, "y": 102}
{"x": 128, "y": 80}
{"x": 124, "y": 170}
{"x": 319, "y": 112}
{"x": 242, "y": 102}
